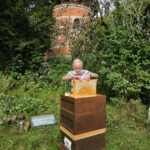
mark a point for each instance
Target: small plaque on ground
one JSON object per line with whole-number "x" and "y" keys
{"x": 43, "y": 120}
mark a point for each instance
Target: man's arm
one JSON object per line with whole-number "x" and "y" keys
{"x": 65, "y": 78}
{"x": 88, "y": 76}
{"x": 94, "y": 75}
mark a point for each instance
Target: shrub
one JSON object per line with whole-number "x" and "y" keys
{"x": 21, "y": 105}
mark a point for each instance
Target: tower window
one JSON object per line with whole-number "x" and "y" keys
{"x": 76, "y": 23}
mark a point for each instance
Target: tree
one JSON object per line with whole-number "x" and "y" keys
{"x": 118, "y": 48}
{"x": 26, "y": 29}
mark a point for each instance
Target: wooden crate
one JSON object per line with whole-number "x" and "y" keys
{"x": 85, "y": 114}
{"x": 93, "y": 140}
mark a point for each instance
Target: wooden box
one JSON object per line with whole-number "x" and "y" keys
{"x": 83, "y": 114}
{"x": 94, "y": 140}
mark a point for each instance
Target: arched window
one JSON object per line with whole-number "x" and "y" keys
{"x": 76, "y": 23}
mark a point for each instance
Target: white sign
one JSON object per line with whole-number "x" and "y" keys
{"x": 67, "y": 143}
{"x": 43, "y": 120}
{"x": 149, "y": 114}
{"x": 66, "y": 94}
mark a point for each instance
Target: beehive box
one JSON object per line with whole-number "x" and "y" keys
{"x": 83, "y": 114}
{"x": 94, "y": 140}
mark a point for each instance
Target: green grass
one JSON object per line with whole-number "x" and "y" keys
{"x": 124, "y": 138}
{"x": 41, "y": 138}
{"x": 37, "y": 138}
{"x": 126, "y": 127}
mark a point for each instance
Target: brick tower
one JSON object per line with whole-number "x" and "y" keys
{"x": 68, "y": 14}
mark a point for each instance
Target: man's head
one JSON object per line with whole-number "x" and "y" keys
{"x": 77, "y": 66}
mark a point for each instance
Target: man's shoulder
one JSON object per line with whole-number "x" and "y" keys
{"x": 85, "y": 71}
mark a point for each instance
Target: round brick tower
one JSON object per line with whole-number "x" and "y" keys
{"x": 68, "y": 14}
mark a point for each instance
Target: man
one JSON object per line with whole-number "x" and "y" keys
{"x": 78, "y": 73}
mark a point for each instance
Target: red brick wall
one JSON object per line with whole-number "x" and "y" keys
{"x": 66, "y": 14}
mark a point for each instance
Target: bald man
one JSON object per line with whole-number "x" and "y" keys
{"x": 78, "y": 73}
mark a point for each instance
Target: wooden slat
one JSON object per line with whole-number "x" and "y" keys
{"x": 83, "y": 135}
{"x": 67, "y": 123}
{"x": 67, "y": 98}
{"x": 67, "y": 113}
{"x": 67, "y": 105}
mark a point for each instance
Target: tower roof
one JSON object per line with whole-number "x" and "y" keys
{"x": 88, "y": 3}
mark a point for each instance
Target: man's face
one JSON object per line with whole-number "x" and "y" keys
{"x": 77, "y": 68}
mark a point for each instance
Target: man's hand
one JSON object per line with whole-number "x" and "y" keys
{"x": 77, "y": 78}
{"x": 87, "y": 77}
